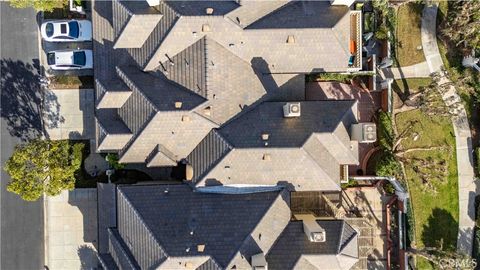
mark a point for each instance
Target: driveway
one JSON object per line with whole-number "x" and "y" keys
{"x": 72, "y": 230}
{"x": 68, "y": 114}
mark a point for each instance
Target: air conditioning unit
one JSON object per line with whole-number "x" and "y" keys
{"x": 364, "y": 132}
{"x": 291, "y": 109}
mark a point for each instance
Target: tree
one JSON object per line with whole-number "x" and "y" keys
{"x": 463, "y": 24}
{"x": 39, "y": 5}
{"x": 43, "y": 166}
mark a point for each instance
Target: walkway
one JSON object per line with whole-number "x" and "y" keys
{"x": 463, "y": 137}
{"x": 72, "y": 229}
{"x": 420, "y": 70}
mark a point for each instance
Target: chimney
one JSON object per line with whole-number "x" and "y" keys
{"x": 266, "y": 157}
{"x": 259, "y": 262}
{"x": 314, "y": 232}
{"x": 291, "y": 109}
{"x": 200, "y": 248}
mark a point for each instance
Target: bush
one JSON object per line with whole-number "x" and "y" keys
{"x": 112, "y": 160}
{"x": 388, "y": 166}
{"x": 385, "y": 131}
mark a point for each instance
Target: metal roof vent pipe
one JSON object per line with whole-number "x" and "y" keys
{"x": 259, "y": 262}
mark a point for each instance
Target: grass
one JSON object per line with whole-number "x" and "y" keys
{"x": 436, "y": 220}
{"x": 409, "y": 34}
{"x": 411, "y": 84}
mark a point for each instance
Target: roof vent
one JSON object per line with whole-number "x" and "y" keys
{"x": 185, "y": 118}
{"x": 259, "y": 262}
{"x": 209, "y": 11}
{"x": 200, "y": 248}
{"x": 291, "y": 109}
{"x": 207, "y": 110}
{"x": 206, "y": 28}
{"x": 178, "y": 105}
{"x": 265, "y": 136}
{"x": 314, "y": 232}
{"x": 291, "y": 39}
{"x": 266, "y": 157}
{"x": 364, "y": 132}
{"x": 188, "y": 172}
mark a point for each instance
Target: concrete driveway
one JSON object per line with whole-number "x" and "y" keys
{"x": 71, "y": 233}
{"x": 68, "y": 114}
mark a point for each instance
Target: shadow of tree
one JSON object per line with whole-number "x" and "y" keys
{"x": 440, "y": 231}
{"x": 21, "y": 104}
{"x": 87, "y": 256}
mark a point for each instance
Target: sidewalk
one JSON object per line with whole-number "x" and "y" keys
{"x": 463, "y": 137}
{"x": 420, "y": 70}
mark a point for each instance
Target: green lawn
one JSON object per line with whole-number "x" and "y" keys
{"x": 411, "y": 84}
{"x": 408, "y": 34}
{"x": 432, "y": 179}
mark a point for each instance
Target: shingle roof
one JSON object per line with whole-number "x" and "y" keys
{"x": 293, "y": 247}
{"x": 198, "y": 8}
{"x": 300, "y": 151}
{"x": 181, "y": 219}
{"x": 208, "y": 69}
{"x": 316, "y": 117}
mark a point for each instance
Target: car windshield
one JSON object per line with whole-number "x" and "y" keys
{"x": 51, "y": 58}
{"x": 79, "y": 58}
{"x": 73, "y": 29}
{"x": 49, "y": 29}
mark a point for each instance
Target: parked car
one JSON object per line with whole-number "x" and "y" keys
{"x": 67, "y": 31}
{"x": 69, "y": 60}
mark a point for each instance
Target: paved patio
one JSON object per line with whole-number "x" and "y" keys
{"x": 68, "y": 114}
{"x": 369, "y": 203}
{"x": 368, "y": 105}
{"x": 71, "y": 230}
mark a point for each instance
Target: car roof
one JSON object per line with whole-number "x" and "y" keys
{"x": 64, "y": 57}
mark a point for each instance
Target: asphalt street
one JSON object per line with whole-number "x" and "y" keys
{"x": 22, "y": 231}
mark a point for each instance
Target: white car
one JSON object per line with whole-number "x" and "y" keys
{"x": 67, "y": 31}
{"x": 69, "y": 60}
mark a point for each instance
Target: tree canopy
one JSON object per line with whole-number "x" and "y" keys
{"x": 463, "y": 23}
{"x": 39, "y": 5}
{"x": 43, "y": 166}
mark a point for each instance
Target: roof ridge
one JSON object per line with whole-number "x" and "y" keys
{"x": 131, "y": 84}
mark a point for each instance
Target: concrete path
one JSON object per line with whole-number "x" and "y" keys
{"x": 463, "y": 137}
{"x": 72, "y": 230}
{"x": 68, "y": 114}
{"x": 420, "y": 70}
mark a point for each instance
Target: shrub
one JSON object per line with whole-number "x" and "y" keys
{"x": 112, "y": 160}
{"x": 387, "y": 166}
{"x": 385, "y": 131}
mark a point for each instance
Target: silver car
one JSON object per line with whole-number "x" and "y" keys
{"x": 71, "y": 59}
